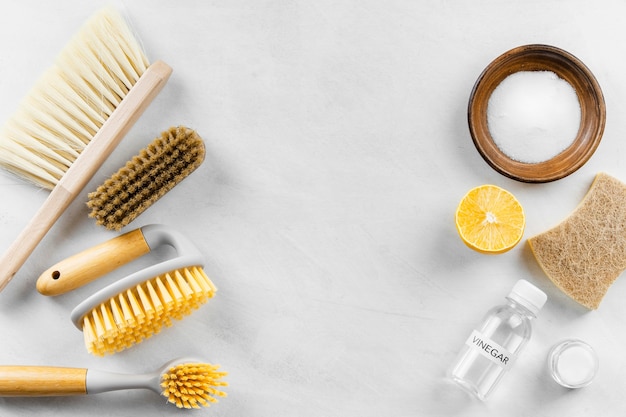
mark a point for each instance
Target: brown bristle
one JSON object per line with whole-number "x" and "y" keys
{"x": 143, "y": 311}
{"x": 147, "y": 177}
{"x": 190, "y": 385}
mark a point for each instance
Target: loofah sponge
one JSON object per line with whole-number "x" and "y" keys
{"x": 586, "y": 253}
{"x": 144, "y": 179}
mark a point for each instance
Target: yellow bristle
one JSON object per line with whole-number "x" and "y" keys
{"x": 189, "y": 385}
{"x": 71, "y": 101}
{"x": 138, "y": 313}
{"x": 146, "y": 305}
{"x": 198, "y": 296}
{"x": 183, "y": 286}
{"x": 164, "y": 294}
{"x": 177, "y": 297}
{"x": 89, "y": 333}
{"x": 107, "y": 321}
{"x": 173, "y": 289}
{"x": 145, "y": 310}
{"x": 204, "y": 280}
{"x": 98, "y": 324}
{"x": 116, "y": 311}
{"x": 155, "y": 299}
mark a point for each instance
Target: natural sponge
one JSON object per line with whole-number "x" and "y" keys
{"x": 586, "y": 253}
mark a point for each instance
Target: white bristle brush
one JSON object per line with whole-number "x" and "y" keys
{"x": 187, "y": 383}
{"x": 73, "y": 118}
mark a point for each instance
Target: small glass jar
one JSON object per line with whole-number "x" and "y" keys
{"x": 573, "y": 363}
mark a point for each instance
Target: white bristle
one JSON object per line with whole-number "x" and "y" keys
{"x": 72, "y": 100}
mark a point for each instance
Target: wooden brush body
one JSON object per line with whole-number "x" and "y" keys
{"x": 108, "y": 89}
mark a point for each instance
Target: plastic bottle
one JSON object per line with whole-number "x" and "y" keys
{"x": 492, "y": 348}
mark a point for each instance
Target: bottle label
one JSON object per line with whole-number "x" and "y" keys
{"x": 490, "y": 349}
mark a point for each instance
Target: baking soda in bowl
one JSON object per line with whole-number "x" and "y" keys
{"x": 533, "y": 116}
{"x": 573, "y": 363}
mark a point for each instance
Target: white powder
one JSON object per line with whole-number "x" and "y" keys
{"x": 533, "y": 116}
{"x": 576, "y": 365}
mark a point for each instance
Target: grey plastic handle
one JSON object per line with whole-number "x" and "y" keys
{"x": 156, "y": 235}
{"x": 100, "y": 381}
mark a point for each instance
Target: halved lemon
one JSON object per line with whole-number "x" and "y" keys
{"x": 489, "y": 219}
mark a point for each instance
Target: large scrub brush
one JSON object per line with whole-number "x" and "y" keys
{"x": 139, "y": 305}
{"x": 73, "y": 118}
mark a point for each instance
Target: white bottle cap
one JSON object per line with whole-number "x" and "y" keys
{"x": 528, "y": 295}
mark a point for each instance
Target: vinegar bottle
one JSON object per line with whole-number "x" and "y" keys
{"x": 492, "y": 348}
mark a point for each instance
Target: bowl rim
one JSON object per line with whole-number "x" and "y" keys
{"x": 537, "y": 57}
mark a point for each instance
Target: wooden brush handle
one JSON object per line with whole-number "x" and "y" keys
{"x": 92, "y": 263}
{"x": 83, "y": 169}
{"x": 37, "y": 381}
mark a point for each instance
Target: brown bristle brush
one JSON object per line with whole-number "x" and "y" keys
{"x": 74, "y": 117}
{"x": 147, "y": 177}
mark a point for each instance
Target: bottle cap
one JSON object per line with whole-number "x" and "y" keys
{"x": 528, "y": 295}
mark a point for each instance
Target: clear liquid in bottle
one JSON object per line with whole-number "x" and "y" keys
{"x": 491, "y": 349}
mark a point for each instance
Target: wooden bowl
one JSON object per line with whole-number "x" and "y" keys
{"x": 567, "y": 67}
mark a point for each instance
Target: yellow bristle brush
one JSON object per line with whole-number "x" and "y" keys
{"x": 186, "y": 383}
{"x": 138, "y": 306}
{"x": 73, "y": 118}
